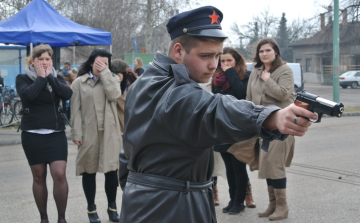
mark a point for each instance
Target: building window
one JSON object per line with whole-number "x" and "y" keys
{"x": 298, "y": 61}
{"x": 308, "y": 65}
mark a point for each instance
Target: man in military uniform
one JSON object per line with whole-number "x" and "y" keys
{"x": 171, "y": 123}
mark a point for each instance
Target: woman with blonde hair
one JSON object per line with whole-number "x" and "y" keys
{"x": 43, "y": 137}
{"x": 272, "y": 83}
{"x": 139, "y": 67}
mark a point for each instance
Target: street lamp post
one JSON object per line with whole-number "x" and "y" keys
{"x": 336, "y": 52}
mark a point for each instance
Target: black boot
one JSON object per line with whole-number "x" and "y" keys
{"x": 92, "y": 213}
{"x": 231, "y": 203}
{"x": 112, "y": 212}
{"x": 237, "y": 208}
{"x": 227, "y": 208}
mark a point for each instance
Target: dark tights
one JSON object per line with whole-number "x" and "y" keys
{"x": 277, "y": 184}
{"x": 89, "y": 186}
{"x": 60, "y": 191}
{"x": 237, "y": 177}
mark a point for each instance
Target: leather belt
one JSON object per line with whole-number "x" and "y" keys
{"x": 167, "y": 183}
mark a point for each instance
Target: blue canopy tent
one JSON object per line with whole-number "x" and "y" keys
{"x": 38, "y": 22}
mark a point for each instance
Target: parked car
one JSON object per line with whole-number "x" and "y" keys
{"x": 297, "y": 72}
{"x": 350, "y": 78}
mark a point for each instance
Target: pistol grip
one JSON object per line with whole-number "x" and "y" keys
{"x": 306, "y": 106}
{"x": 301, "y": 104}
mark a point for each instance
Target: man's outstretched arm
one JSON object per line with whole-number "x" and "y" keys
{"x": 283, "y": 120}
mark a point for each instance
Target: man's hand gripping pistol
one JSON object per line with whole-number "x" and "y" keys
{"x": 318, "y": 105}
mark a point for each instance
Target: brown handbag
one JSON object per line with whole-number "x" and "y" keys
{"x": 247, "y": 152}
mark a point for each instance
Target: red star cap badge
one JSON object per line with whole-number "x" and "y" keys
{"x": 214, "y": 18}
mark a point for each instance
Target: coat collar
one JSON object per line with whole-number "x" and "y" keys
{"x": 164, "y": 61}
{"x": 86, "y": 78}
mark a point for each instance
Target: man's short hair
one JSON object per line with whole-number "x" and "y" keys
{"x": 67, "y": 63}
{"x": 189, "y": 42}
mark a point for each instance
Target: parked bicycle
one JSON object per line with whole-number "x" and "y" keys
{"x": 7, "y": 101}
{"x": 18, "y": 110}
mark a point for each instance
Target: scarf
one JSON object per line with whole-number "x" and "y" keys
{"x": 220, "y": 80}
{"x": 31, "y": 73}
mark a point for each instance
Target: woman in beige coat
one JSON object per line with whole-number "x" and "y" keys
{"x": 272, "y": 83}
{"x": 96, "y": 129}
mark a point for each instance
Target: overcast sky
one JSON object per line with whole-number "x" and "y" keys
{"x": 241, "y": 11}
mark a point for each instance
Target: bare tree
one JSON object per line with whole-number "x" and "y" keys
{"x": 10, "y": 7}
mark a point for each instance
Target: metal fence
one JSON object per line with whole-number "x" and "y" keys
{"x": 328, "y": 72}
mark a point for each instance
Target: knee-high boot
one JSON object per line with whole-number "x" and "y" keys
{"x": 216, "y": 197}
{"x": 282, "y": 210}
{"x": 272, "y": 204}
{"x": 249, "y": 198}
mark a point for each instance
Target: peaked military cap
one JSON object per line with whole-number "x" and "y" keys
{"x": 204, "y": 21}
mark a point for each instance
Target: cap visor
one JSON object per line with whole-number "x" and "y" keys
{"x": 218, "y": 33}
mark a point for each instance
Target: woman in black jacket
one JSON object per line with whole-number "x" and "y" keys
{"x": 231, "y": 78}
{"x": 43, "y": 136}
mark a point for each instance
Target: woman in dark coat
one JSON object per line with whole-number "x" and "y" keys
{"x": 43, "y": 136}
{"x": 232, "y": 79}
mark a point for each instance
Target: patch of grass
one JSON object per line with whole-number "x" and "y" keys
{"x": 352, "y": 109}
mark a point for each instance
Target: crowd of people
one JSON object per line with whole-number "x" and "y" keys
{"x": 170, "y": 130}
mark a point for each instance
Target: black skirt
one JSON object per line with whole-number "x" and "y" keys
{"x": 44, "y": 148}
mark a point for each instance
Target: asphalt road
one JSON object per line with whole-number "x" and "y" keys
{"x": 328, "y": 152}
{"x": 349, "y": 96}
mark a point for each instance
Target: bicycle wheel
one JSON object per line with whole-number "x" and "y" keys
{"x": 6, "y": 115}
{"x": 18, "y": 111}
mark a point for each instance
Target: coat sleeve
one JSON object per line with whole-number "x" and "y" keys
{"x": 200, "y": 118}
{"x": 76, "y": 119}
{"x": 59, "y": 87}
{"x": 237, "y": 85}
{"x": 283, "y": 88}
{"x": 29, "y": 91}
{"x": 111, "y": 84}
{"x": 248, "y": 89}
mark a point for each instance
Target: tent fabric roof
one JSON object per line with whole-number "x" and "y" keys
{"x": 38, "y": 22}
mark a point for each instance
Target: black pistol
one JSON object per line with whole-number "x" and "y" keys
{"x": 318, "y": 105}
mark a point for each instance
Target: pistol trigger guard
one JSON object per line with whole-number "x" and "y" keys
{"x": 316, "y": 120}
{"x": 319, "y": 116}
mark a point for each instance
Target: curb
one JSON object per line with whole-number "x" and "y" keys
{"x": 18, "y": 141}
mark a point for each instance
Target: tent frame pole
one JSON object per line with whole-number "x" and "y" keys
{"x": 31, "y": 48}
{"x": 74, "y": 55}
{"x": 110, "y": 49}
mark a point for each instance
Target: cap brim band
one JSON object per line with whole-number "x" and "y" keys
{"x": 217, "y": 33}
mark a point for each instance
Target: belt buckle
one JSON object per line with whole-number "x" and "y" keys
{"x": 187, "y": 187}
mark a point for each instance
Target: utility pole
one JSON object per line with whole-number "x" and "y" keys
{"x": 336, "y": 52}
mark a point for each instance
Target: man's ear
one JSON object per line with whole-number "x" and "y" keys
{"x": 178, "y": 51}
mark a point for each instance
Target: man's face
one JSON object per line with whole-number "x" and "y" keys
{"x": 67, "y": 67}
{"x": 202, "y": 60}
